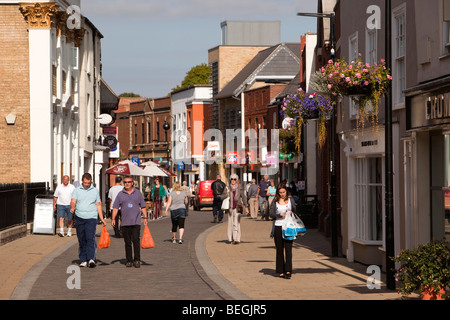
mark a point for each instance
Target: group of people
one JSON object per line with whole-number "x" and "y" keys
{"x": 275, "y": 203}
{"x": 83, "y": 204}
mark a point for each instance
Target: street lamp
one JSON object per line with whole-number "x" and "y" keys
{"x": 333, "y": 189}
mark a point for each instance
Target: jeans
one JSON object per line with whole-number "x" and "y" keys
{"x": 63, "y": 211}
{"x": 131, "y": 235}
{"x": 217, "y": 208}
{"x": 263, "y": 207}
{"x": 87, "y": 246}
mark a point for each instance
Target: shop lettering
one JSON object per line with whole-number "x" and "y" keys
{"x": 438, "y": 107}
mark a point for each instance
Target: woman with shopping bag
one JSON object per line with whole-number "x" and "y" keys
{"x": 237, "y": 198}
{"x": 282, "y": 206}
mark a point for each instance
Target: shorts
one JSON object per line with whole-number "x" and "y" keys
{"x": 63, "y": 210}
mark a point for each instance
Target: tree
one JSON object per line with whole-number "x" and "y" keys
{"x": 129, "y": 95}
{"x": 199, "y": 74}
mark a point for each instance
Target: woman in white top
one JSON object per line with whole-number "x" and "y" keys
{"x": 281, "y": 206}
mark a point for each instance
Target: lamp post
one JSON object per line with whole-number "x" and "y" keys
{"x": 389, "y": 195}
{"x": 333, "y": 182}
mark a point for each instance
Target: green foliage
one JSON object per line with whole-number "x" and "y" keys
{"x": 427, "y": 267}
{"x": 129, "y": 95}
{"x": 199, "y": 74}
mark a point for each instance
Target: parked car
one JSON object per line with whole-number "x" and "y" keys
{"x": 203, "y": 195}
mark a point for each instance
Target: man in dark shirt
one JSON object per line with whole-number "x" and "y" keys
{"x": 262, "y": 198}
{"x": 132, "y": 203}
{"x": 218, "y": 188}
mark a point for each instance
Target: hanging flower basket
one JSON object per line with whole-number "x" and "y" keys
{"x": 363, "y": 83}
{"x": 308, "y": 106}
{"x": 287, "y": 145}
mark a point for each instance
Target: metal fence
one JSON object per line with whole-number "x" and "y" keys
{"x": 17, "y": 203}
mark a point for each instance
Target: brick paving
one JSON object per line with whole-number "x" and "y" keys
{"x": 204, "y": 267}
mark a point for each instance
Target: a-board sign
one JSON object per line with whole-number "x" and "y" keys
{"x": 44, "y": 218}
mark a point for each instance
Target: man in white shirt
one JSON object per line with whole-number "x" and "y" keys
{"x": 112, "y": 194}
{"x": 62, "y": 198}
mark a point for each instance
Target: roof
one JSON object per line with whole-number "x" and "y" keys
{"x": 282, "y": 60}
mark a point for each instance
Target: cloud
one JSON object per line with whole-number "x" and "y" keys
{"x": 179, "y": 9}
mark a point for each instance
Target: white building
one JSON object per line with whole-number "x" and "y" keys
{"x": 55, "y": 55}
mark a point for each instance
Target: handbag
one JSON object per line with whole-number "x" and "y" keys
{"x": 105, "y": 240}
{"x": 226, "y": 204}
{"x": 147, "y": 239}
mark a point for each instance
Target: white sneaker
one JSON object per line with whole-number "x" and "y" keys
{"x": 83, "y": 264}
{"x": 91, "y": 263}
{"x": 69, "y": 234}
{"x": 61, "y": 234}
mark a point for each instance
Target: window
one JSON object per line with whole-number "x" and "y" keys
{"x": 143, "y": 133}
{"x": 399, "y": 67}
{"x": 75, "y": 57}
{"x": 149, "y": 131}
{"x": 135, "y": 133}
{"x": 371, "y": 46}
{"x": 369, "y": 199}
{"x": 64, "y": 82}
{"x": 446, "y": 27}
{"x": 157, "y": 131}
{"x": 54, "y": 81}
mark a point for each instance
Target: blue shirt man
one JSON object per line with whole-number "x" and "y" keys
{"x": 86, "y": 206}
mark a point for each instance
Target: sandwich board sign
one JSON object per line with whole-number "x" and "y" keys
{"x": 44, "y": 218}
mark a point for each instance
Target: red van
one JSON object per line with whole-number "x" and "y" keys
{"x": 203, "y": 195}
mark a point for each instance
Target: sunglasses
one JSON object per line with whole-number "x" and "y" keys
{"x": 128, "y": 182}
{"x": 233, "y": 179}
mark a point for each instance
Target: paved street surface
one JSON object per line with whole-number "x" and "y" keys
{"x": 204, "y": 267}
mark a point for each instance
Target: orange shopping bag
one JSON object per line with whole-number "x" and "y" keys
{"x": 104, "y": 241}
{"x": 147, "y": 239}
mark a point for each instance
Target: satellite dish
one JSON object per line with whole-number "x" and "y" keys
{"x": 105, "y": 119}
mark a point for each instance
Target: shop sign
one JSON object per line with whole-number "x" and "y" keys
{"x": 428, "y": 110}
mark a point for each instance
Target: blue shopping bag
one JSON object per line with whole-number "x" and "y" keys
{"x": 292, "y": 227}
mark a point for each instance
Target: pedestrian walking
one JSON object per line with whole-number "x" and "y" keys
{"x": 187, "y": 190}
{"x": 252, "y": 194}
{"x": 178, "y": 199}
{"x": 158, "y": 195}
{"x": 132, "y": 204}
{"x": 237, "y": 199}
{"x": 61, "y": 199}
{"x": 262, "y": 198}
{"x": 87, "y": 206}
{"x": 112, "y": 194}
{"x": 271, "y": 192}
{"x": 282, "y": 205}
{"x": 219, "y": 192}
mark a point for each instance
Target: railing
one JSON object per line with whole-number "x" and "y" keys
{"x": 17, "y": 203}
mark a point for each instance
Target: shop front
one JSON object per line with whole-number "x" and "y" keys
{"x": 428, "y": 162}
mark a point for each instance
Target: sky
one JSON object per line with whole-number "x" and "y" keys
{"x": 150, "y": 45}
